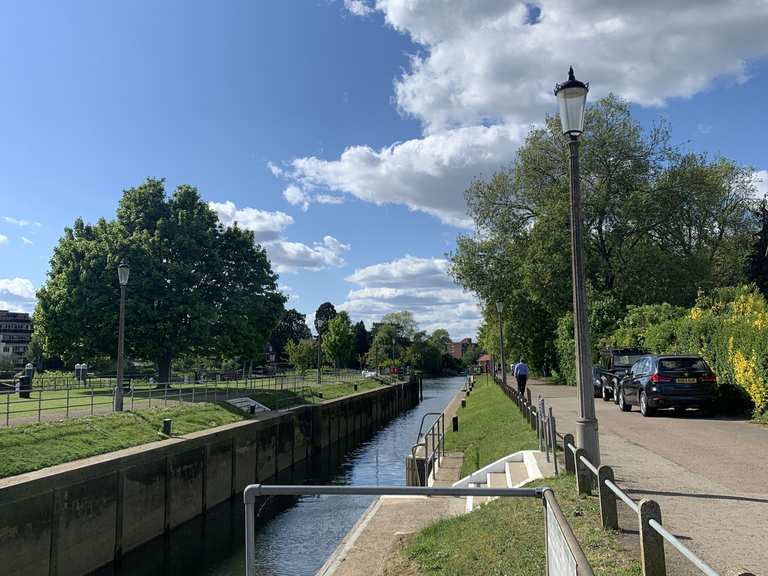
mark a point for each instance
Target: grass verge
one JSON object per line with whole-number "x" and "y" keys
{"x": 36, "y": 446}
{"x": 490, "y": 427}
{"x": 506, "y": 536}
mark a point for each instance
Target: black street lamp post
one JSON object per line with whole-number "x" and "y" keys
{"x": 572, "y": 97}
{"x": 122, "y": 275}
{"x": 500, "y": 310}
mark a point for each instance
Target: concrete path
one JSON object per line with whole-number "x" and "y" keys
{"x": 710, "y": 476}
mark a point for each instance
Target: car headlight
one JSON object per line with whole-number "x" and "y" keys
{"x": 655, "y": 388}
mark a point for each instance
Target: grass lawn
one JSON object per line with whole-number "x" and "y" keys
{"x": 35, "y": 446}
{"x": 490, "y": 427}
{"x": 506, "y": 536}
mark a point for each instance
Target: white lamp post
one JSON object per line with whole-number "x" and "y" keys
{"x": 572, "y": 97}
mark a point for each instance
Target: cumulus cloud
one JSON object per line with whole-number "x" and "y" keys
{"x": 26, "y": 241}
{"x": 17, "y": 222}
{"x": 760, "y": 179}
{"x": 17, "y": 294}
{"x": 296, "y": 196}
{"x": 285, "y": 255}
{"x": 266, "y": 226}
{"x": 3, "y": 239}
{"x": 427, "y": 174}
{"x": 358, "y": 7}
{"x": 421, "y": 285}
{"x": 486, "y": 72}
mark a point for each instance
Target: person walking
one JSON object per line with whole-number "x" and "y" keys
{"x": 521, "y": 375}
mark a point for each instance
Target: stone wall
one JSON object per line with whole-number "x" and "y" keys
{"x": 73, "y": 518}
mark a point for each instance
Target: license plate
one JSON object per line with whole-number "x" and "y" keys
{"x": 686, "y": 380}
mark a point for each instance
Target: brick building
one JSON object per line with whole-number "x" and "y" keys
{"x": 458, "y": 349}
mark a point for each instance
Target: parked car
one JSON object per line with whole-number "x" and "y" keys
{"x": 614, "y": 364}
{"x": 668, "y": 381}
{"x": 597, "y": 382}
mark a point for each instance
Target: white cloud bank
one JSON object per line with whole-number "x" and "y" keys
{"x": 760, "y": 179}
{"x": 421, "y": 285}
{"x": 3, "y": 239}
{"x": 488, "y": 69}
{"x": 286, "y": 256}
{"x": 17, "y": 295}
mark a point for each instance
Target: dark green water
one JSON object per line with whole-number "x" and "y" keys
{"x": 294, "y": 536}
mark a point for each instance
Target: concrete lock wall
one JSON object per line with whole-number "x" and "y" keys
{"x": 73, "y": 518}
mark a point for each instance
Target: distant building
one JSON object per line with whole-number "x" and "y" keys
{"x": 485, "y": 362}
{"x": 458, "y": 349}
{"x": 15, "y": 335}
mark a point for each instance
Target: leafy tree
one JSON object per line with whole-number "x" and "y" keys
{"x": 758, "y": 261}
{"x": 362, "y": 340}
{"x": 385, "y": 347}
{"x": 338, "y": 339}
{"x": 292, "y": 326}
{"x": 424, "y": 355}
{"x": 470, "y": 356}
{"x": 403, "y": 322}
{"x": 301, "y": 354}
{"x": 440, "y": 339}
{"x": 195, "y": 287}
{"x": 325, "y": 313}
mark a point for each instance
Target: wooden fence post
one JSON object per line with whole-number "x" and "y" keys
{"x": 608, "y": 514}
{"x": 651, "y": 542}
{"x": 582, "y": 472}
{"x": 570, "y": 466}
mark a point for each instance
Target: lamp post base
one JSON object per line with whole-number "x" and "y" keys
{"x": 587, "y": 438}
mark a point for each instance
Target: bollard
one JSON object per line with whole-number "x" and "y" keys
{"x": 167, "y": 426}
{"x": 355, "y": 387}
{"x": 582, "y": 473}
{"x": 528, "y": 394}
{"x": 463, "y": 403}
{"x": 568, "y": 453}
{"x": 455, "y": 423}
{"x": 468, "y": 391}
{"x": 608, "y": 514}
{"x": 251, "y": 409}
{"x": 651, "y": 542}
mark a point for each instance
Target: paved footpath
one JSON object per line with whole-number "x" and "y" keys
{"x": 710, "y": 476}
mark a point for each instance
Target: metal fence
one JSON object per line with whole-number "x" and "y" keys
{"x": 564, "y": 554}
{"x": 432, "y": 442}
{"x": 652, "y": 533}
{"x": 58, "y": 397}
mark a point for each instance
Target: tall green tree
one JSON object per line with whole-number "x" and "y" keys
{"x": 195, "y": 286}
{"x": 338, "y": 339}
{"x": 301, "y": 354}
{"x": 292, "y": 326}
{"x": 324, "y": 314}
{"x": 362, "y": 340}
{"x": 440, "y": 339}
{"x": 758, "y": 258}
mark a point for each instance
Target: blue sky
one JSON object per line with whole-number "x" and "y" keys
{"x": 341, "y": 132}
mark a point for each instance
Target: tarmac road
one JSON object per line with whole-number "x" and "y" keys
{"x": 710, "y": 476}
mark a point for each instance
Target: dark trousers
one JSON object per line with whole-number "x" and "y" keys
{"x": 521, "y": 381}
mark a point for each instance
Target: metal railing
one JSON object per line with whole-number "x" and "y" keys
{"x": 59, "y": 397}
{"x": 652, "y": 532}
{"x": 564, "y": 554}
{"x": 433, "y": 442}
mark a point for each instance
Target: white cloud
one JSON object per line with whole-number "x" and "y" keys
{"x": 17, "y": 222}
{"x": 266, "y": 226}
{"x": 3, "y": 239}
{"x": 285, "y": 255}
{"x": 27, "y": 241}
{"x": 421, "y": 285}
{"x": 329, "y": 199}
{"x": 296, "y": 196}
{"x": 292, "y": 256}
{"x": 486, "y": 72}
{"x": 760, "y": 180}
{"x": 428, "y": 174}
{"x": 17, "y": 294}
{"x": 358, "y": 7}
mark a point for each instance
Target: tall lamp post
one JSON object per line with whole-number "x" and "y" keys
{"x": 500, "y": 310}
{"x": 122, "y": 275}
{"x": 572, "y": 97}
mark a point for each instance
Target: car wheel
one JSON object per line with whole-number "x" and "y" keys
{"x": 623, "y": 406}
{"x": 708, "y": 411}
{"x": 604, "y": 394}
{"x": 645, "y": 410}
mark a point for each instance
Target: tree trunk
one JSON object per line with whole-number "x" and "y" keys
{"x": 164, "y": 371}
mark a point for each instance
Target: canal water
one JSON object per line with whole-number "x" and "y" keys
{"x": 294, "y": 536}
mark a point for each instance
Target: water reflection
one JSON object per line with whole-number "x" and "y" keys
{"x": 294, "y": 536}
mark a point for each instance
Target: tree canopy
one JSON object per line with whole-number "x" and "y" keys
{"x": 195, "y": 286}
{"x": 292, "y": 326}
{"x": 325, "y": 313}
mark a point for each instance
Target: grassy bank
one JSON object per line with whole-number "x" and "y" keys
{"x": 506, "y": 536}
{"x": 489, "y": 427}
{"x": 36, "y": 446}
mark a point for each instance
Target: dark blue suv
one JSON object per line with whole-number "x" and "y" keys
{"x": 668, "y": 381}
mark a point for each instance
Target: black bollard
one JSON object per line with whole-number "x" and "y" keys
{"x": 355, "y": 387}
{"x": 167, "y": 426}
{"x": 463, "y": 403}
{"x": 455, "y": 423}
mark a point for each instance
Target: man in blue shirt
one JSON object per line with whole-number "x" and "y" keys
{"x": 521, "y": 375}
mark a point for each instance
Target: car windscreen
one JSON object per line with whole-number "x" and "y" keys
{"x": 626, "y": 359}
{"x": 683, "y": 364}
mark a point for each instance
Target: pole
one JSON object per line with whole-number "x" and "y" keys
{"x": 501, "y": 350}
{"x": 586, "y": 422}
{"x": 319, "y": 355}
{"x": 120, "y": 336}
